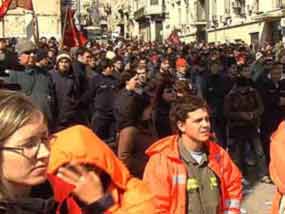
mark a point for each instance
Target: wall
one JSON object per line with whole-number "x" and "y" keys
{"x": 18, "y": 22}
{"x": 237, "y": 32}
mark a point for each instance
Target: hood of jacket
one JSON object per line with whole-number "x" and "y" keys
{"x": 80, "y": 144}
{"x": 277, "y": 162}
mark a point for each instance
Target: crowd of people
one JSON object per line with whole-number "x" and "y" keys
{"x": 190, "y": 120}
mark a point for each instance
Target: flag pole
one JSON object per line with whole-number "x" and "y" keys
{"x": 3, "y": 22}
{"x": 35, "y": 24}
{"x": 64, "y": 26}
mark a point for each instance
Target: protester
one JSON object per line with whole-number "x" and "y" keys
{"x": 164, "y": 97}
{"x": 243, "y": 109}
{"x": 33, "y": 80}
{"x": 102, "y": 93}
{"x": 66, "y": 92}
{"x": 135, "y": 128}
{"x": 187, "y": 172}
{"x": 24, "y": 161}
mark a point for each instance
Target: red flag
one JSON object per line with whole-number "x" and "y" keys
{"x": 4, "y": 7}
{"x": 174, "y": 38}
{"x": 28, "y": 5}
{"x": 71, "y": 36}
{"x": 25, "y": 4}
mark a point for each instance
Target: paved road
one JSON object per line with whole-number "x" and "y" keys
{"x": 258, "y": 199}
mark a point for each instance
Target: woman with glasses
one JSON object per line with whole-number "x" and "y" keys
{"x": 24, "y": 158}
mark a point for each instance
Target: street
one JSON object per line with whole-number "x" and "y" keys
{"x": 258, "y": 199}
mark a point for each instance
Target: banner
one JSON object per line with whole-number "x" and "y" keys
{"x": 4, "y": 8}
{"x": 71, "y": 35}
{"x": 25, "y": 4}
{"x": 174, "y": 38}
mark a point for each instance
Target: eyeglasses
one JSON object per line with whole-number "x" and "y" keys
{"x": 30, "y": 149}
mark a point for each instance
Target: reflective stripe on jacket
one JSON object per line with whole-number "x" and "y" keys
{"x": 166, "y": 176}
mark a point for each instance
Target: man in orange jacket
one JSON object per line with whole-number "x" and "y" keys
{"x": 187, "y": 172}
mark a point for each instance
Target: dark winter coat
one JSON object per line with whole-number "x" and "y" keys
{"x": 37, "y": 84}
{"x": 28, "y": 206}
{"x": 214, "y": 94}
{"x": 162, "y": 120}
{"x": 67, "y": 94}
{"x": 101, "y": 94}
{"x": 243, "y": 110}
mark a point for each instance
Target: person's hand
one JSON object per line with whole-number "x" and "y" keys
{"x": 88, "y": 186}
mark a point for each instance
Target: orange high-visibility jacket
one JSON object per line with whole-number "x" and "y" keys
{"x": 166, "y": 175}
{"x": 79, "y": 143}
{"x": 277, "y": 163}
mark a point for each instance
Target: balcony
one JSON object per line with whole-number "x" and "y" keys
{"x": 276, "y": 12}
{"x": 139, "y": 14}
{"x": 153, "y": 10}
{"x": 279, "y": 4}
{"x": 200, "y": 17}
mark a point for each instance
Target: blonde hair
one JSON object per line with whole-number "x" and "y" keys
{"x": 15, "y": 111}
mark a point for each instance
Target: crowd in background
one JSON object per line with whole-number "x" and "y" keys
{"x": 124, "y": 90}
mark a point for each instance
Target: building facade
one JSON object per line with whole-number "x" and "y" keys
{"x": 252, "y": 21}
{"x": 147, "y": 18}
{"x": 18, "y": 21}
{"x": 93, "y": 13}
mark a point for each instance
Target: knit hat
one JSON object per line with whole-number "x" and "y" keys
{"x": 110, "y": 55}
{"x": 63, "y": 55}
{"x": 181, "y": 62}
{"x": 24, "y": 45}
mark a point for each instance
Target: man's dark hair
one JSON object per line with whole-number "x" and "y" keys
{"x": 82, "y": 50}
{"x": 117, "y": 58}
{"x": 105, "y": 64}
{"x": 184, "y": 105}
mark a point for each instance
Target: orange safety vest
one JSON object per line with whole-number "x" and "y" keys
{"x": 166, "y": 176}
{"x": 277, "y": 163}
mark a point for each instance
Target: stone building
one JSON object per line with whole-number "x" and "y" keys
{"x": 18, "y": 21}
{"x": 253, "y": 21}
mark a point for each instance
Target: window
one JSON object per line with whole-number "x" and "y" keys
{"x": 154, "y": 2}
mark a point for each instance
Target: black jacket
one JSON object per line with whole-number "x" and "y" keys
{"x": 80, "y": 75}
{"x": 128, "y": 108}
{"x": 101, "y": 94}
{"x": 28, "y": 206}
{"x": 162, "y": 120}
{"x": 67, "y": 93}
